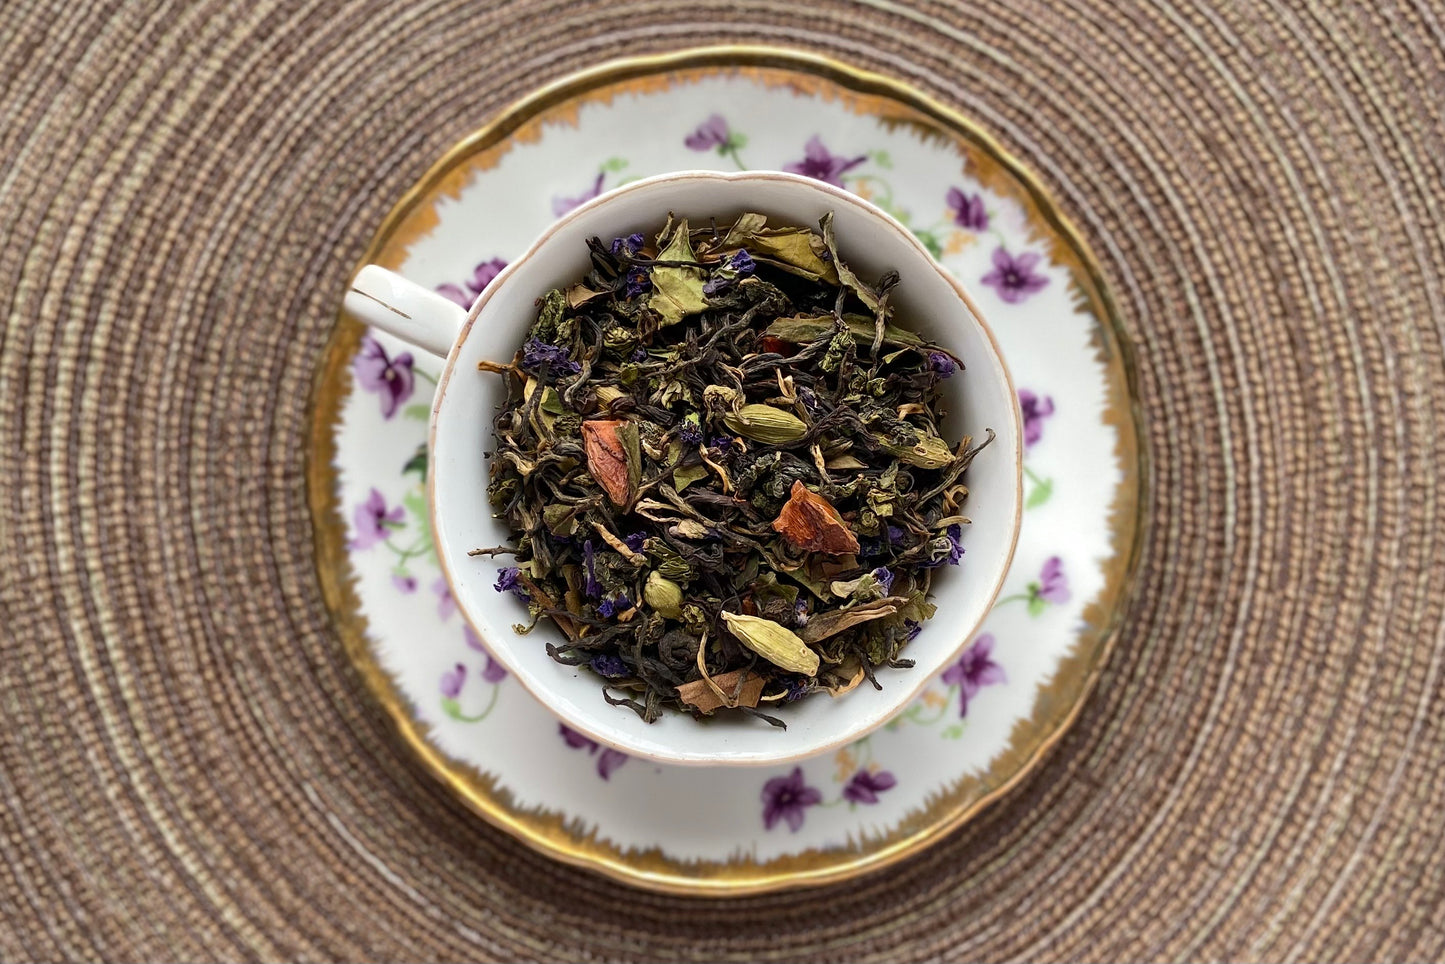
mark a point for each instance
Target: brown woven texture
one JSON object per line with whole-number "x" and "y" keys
{"x": 190, "y": 769}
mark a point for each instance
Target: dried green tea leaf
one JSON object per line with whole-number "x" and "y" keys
{"x": 677, "y": 291}
{"x": 802, "y": 329}
{"x": 682, "y": 477}
{"x": 579, "y": 295}
{"x": 832, "y": 623}
{"x": 849, "y": 280}
{"x": 795, "y": 250}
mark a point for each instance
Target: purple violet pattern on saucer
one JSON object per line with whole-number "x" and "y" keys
{"x": 480, "y": 717}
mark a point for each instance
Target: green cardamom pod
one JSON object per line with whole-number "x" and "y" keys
{"x": 663, "y": 595}
{"x": 929, "y": 452}
{"x": 763, "y": 423}
{"x": 774, "y": 643}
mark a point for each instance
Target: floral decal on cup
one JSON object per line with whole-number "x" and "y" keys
{"x": 1051, "y": 588}
{"x": 1036, "y": 409}
{"x": 454, "y": 682}
{"x": 787, "y": 799}
{"x": 974, "y": 670}
{"x": 715, "y": 134}
{"x": 1013, "y": 277}
{"x": 608, "y": 759}
{"x": 822, "y": 164}
{"x": 392, "y": 379}
{"x": 375, "y": 521}
{"x": 562, "y": 205}
{"x": 865, "y": 785}
{"x": 968, "y": 210}
{"x": 446, "y": 604}
{"x": 466, "y": 292}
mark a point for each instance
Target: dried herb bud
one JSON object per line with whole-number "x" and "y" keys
{"x": 810, "y": 522}
{"x": 763, "y": 423}
{"x": 611, "y": 451}
{"x": 929, "y": 452}
{"x": 776, "y": 644}
{"x": 663, "y": 595}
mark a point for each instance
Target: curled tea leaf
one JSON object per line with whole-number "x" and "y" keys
{"x": 803, "y": 329}
{"x": 832, "y": 623}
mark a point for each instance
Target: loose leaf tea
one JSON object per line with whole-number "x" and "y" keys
{"x": 720, "y": 459}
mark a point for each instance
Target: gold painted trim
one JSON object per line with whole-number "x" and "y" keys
{"x": 1058, "y": 703}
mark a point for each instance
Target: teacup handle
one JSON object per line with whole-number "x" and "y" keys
{"x": 386, "y": 300}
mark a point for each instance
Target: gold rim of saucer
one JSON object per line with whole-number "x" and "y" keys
{"x": 1057, "y": 704}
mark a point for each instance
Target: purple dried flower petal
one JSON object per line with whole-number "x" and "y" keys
{"x": 629, "y": 245}
{"x": 589, "y": 562}
{"x": 947, "y": 549}
{"x": 536, "y": 354}
{"x": 609, "y": 665}
{"x": 508, "y": 580}
{"x": 638, "y": 282}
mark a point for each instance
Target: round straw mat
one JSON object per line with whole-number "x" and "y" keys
{"x": 190, "y": 768}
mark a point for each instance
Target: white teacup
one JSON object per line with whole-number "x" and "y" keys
{"x": 928, "y": 300}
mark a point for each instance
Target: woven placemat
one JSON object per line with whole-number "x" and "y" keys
{"x": 189, "y": 768}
